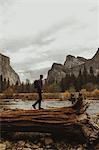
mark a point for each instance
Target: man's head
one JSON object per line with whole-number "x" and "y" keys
{"x": 41, "y": 76}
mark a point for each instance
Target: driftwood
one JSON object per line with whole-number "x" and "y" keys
{"x": 58, "y": 120}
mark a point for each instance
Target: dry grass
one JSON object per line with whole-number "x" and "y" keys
{"x": 93, "y": 94}
{"x": 9, "y": 93}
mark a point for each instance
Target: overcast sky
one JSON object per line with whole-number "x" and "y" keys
{"x": 36, "y": 33}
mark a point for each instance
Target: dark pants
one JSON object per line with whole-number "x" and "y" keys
{"x": 39, "y": 100}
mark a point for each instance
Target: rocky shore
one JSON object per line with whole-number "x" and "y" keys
{"x": 41, "y": 141}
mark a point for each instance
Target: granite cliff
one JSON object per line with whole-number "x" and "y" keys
{"x": 72, "y": 65}
{"x": 7, "y": 71}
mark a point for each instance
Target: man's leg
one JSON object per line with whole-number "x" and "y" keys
{"x": 40, "y": 99}
{"x": 35, "y": 104}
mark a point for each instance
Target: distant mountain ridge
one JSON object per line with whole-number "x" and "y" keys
{"x": 7, "y": 71}
{"x": 72, "y": 65}
{"x": 72, "y": 61}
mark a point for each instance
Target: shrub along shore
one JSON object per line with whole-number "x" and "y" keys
{"x": 49, "y": 96}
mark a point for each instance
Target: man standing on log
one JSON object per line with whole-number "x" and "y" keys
{"x": 39, "y": 88}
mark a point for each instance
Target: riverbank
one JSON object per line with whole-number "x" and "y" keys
{"x": 34, "y": 96}
{"x": 41, "y": 141}
{"x": 94, "y": 95}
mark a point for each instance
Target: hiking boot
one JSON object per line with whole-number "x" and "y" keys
{"x": 34, "y": 106}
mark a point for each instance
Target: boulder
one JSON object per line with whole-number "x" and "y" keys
{"x": 2, "y": 146}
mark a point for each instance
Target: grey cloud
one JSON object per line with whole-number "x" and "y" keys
{"x": 42, "y": 38}
{"x": 34, "y": 74}
{"x": 93, "y": 9}
{"x": 54, "y": 29}
{"x": 30, "y": 63}
{"x": 13, "y": 45}
{"x": 43, "y": 41}
{"x": 76, "y": 51}
{"x": 56, "y": 55}
{"x": 5, "y": 3}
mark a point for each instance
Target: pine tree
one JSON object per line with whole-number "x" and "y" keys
{"x": 97, "y": 79}
{"x": 27, "y": 87}
{"x": 22, "y": 87}
{"x": 4, "y": 84}
{"x": 65, "y": 82}
{"x": 85, "y": 76}
{"x": 91, "y": 76}
{"x": 8, "y": 83}
{"x": 79, "y": 81}
{"x": 16, "y": 86}
{"x": 91, "y": 71}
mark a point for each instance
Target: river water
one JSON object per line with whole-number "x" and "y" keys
{"x": 5, "y": 104}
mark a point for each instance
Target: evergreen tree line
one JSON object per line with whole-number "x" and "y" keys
{"x": 19, "y": 88}
{"x": 83, "y": 80}
{"x": 24, "y": 87}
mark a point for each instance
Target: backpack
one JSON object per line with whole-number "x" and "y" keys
{"x": 36, "y": 84}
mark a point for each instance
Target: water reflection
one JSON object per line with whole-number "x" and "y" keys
{"x": 20, "y": 104}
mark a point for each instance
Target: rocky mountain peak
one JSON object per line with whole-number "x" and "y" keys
{"x": 7, "y": 71}
{"x": 70, "y": 57}
{"x": 56, "y": 66}
{"x": 4, "y": 59}
{"x": 72, "y": 65}
{"x": 96, "y": 56}
{"x": 72, "y": 61}
{"x": 81, "y": 59}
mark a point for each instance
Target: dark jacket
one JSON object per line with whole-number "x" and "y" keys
{"x": 40, "y": 85}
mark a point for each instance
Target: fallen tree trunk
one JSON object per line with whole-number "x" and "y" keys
{"x": 59, "y": 120}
